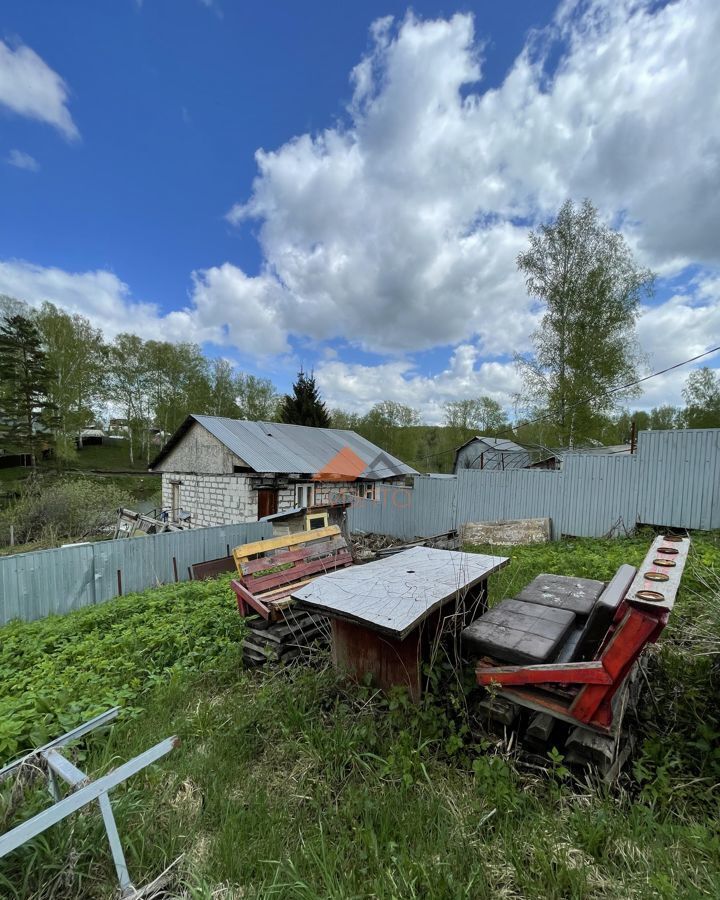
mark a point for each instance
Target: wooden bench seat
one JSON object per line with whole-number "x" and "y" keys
{"x": 270, "y": 571}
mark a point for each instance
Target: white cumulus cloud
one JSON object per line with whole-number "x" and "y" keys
{"x": 29, "y": 87}
{"x": 100, "y": 295}
{"x": 356, "y": 387}
{"x": 399, "y": 228}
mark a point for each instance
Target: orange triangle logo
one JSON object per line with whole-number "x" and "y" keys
{"x": 344, "y": 466}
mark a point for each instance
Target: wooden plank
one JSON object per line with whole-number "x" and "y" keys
{"x": 245, "y": 599}
{"x": 359, "y": 651}
{"x": 306, "y": 552}
{"x": 563, "y": 673}
{"x": 668, "y": 589}
{"x": 245, "y": 551}
{"x": 620, "y": 654}
{"x": 284, "y": 591}
{"x": 300, "y": 570}
{"x": 270, "y": 560}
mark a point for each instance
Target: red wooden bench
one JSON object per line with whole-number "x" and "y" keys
{"x": 270, "y": 571}
{"x": 590, "y": 656}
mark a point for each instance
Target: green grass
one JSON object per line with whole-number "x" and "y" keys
{"x": 113, "y": 457}
{"x": 289, "y": 783}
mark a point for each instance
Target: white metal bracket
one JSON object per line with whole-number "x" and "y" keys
{"x": 83, "y": 790}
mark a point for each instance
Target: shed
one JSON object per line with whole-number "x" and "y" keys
{"x": 482, "y": 452}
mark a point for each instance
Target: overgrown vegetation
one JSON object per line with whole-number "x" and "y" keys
{"x": 288, "y": 783}
{"x": 60, "y": 501}
{"x": 63, "y": 508}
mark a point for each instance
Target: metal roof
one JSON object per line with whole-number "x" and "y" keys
{"x": 499, "y": 444}
{"x": 498, "y": 447}
{"x": 287, "y": 449}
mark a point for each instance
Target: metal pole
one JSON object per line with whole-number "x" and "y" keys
{"x": 126, "y": 886}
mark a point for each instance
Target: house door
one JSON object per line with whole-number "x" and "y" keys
{"x": 267, "y": 502}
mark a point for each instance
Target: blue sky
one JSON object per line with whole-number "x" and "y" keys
{"x": 405, "y": 158}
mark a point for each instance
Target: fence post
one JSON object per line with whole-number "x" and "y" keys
{"x": 12, "y": 535}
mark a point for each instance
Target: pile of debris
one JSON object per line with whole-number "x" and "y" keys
{"x": 131, "y": 523}
{"x": 298, "y": 634}
{"x": 367, "y": 547}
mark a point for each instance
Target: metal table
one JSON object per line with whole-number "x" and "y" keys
{"x": 385, "y": 614}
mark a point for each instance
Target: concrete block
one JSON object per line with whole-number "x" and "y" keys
{"x": 516, "y": 531}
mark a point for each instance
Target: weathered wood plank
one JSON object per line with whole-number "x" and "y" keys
{"x": 307, "y": 552}
{"x": 663, "y": 550}
{"x": 245, "y": 551}
{"x": 298, "y": 572}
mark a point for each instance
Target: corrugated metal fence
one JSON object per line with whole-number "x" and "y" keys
{"x": 672, "y": 480}
{"x": 34, "y": 585}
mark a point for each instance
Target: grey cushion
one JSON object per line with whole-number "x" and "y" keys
{"x": 563, "y": 592}
{"x": 517, "y": 632}
{"x": 585, "y": 639}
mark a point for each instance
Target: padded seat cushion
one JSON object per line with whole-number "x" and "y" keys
{"x": 577, "y": 595}
{"x": 517, "y": 632}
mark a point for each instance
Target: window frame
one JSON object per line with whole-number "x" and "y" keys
{"x": 304, "y": 489}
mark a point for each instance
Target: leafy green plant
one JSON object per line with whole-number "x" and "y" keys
{"x": 59, "y": 671}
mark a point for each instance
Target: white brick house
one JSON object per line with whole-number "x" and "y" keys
{"x": 218, "y": 471}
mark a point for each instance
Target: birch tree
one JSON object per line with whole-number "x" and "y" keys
{"x": 591, "y": 288}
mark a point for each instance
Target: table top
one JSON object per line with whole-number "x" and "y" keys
{"x": 395, "y": 594}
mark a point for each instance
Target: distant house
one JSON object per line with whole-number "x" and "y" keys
{"x": 218, "y": 471}
{"x": 118, "y": 427}
{"x": 553, "y": 458}
{"x": 482, "y": 452}
{"x": 89, "y": 436}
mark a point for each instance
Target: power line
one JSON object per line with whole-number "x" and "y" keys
{"x": 614, "y": 390}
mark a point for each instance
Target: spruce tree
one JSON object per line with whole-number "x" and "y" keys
{"x": 304, "y": 406}
{"x": 26, "y": 413}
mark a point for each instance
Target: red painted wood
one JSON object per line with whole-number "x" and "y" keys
{"x": 272, "y": 560}
{"x": 563, "y": 673}
{"x": 600, "y": 679}
{"x": 245, "y": 599}
{"x": 359, "y": 651}
{"x": 618, "y": 657}
{"x": 298, "y": 572}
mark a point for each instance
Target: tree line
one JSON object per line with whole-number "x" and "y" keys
{"x": 58, "y": 374}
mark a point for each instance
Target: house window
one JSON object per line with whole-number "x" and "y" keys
{"x": 316, "y": 520}
{"x": 366, "y": 490}
{"x": 304, "y": 495}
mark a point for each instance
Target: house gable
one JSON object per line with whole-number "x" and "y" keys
{"x": 199, "y": 452}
